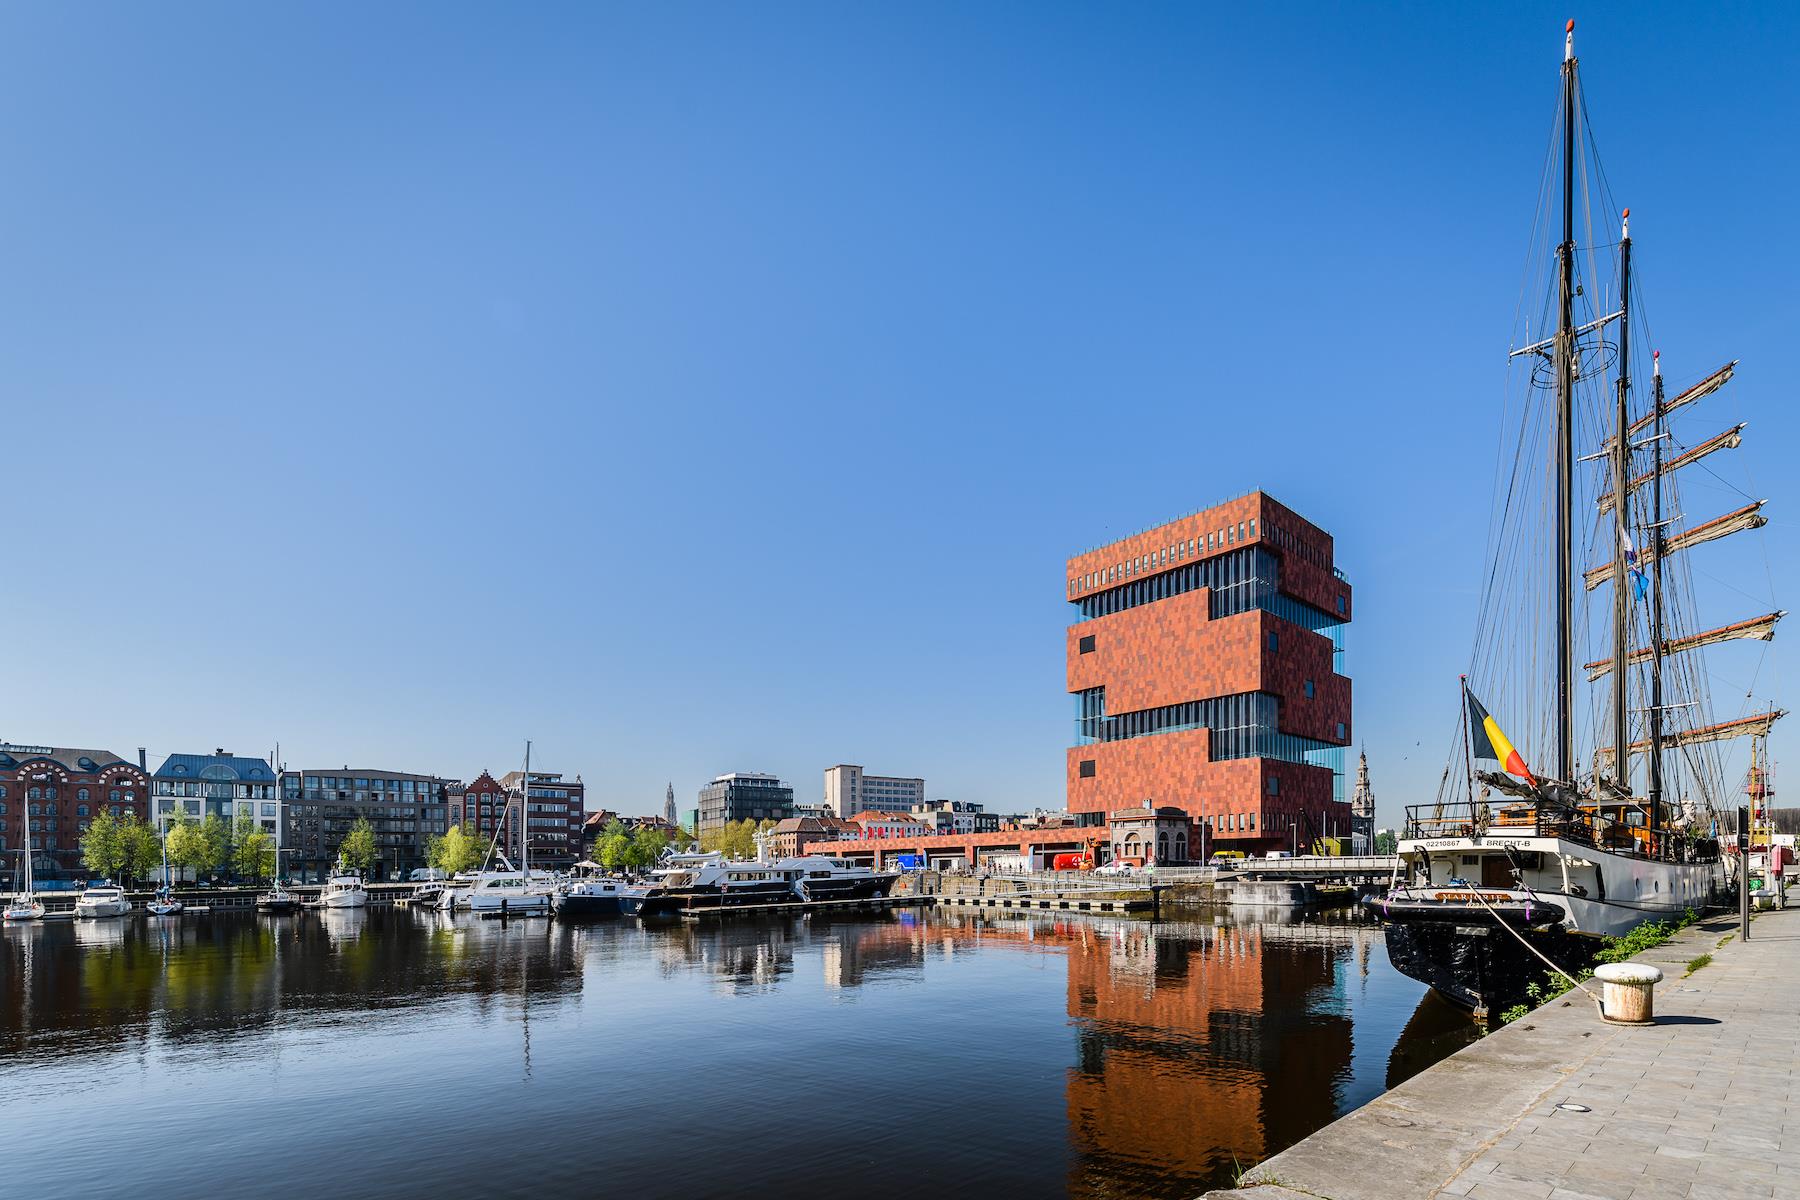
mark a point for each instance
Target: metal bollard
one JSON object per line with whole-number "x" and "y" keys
{"x": 1626, "y": 995}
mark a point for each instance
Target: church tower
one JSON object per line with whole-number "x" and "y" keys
{"x": 669, "y": 806}
{"x": 1362, "y": 810}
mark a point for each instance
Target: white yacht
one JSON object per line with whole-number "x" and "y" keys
{"x": 511, "y": 891}
{"x": 818, "y": 877}
{"x": 344, "y": 889}
{"x": 102, "y": 900}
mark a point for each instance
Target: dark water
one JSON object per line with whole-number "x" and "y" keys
{"x": 397, "y": 1054}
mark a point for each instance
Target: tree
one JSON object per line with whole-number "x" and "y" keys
{"x": 103, "y": 847}
{"x": 187, "y": 844}
{"x": 358, "y": 848}
{"x": 458, "y": 851}
{"x": 434, "y": 851}
{"x": 215, "y": 831}
{"x": 647, "y": 846}
{"x": 614, "y": 851}
{"x": 143, "y": 847}
{"x": 252, "y": 850}
{"x": 1386, "y": 842}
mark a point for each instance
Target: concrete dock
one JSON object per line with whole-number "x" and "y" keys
{"x": 1703, "y": 1104}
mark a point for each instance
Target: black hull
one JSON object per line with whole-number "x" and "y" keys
{"x": 1480, "y": 966}
{"x": 577, "y": 907}
{"x": 669, "y": 903}
{"x": 278, "y": 908}
{"x": 871, "y": 888}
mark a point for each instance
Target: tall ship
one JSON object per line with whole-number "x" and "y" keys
{"x": 1569, "y": 814}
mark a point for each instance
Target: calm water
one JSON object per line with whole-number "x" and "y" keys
{"x": 397, "y": 1054}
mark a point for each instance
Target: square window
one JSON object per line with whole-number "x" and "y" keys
{"x": 1086, "y": 770}
{"x": 1087, "y": 644}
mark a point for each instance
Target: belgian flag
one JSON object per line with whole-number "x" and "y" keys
{"x": 1486, "y": 740}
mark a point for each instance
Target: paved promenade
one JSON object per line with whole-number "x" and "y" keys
{"x": 1704, "y": 1105}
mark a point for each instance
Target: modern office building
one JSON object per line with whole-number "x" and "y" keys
{"x": 553, "y": 814}
{"x": 1205, "y": 663}
{"x": 323, "y": 804}
{"x": 848, "y": 790}
{"x": 743, "y": 796}
{"x": 59, "y": 790}
{"x": 220, "y": 784}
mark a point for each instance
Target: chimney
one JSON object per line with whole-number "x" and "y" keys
{"x": 143, "y": 764}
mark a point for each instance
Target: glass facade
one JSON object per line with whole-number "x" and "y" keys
{"x": 1243, "y": 726}
{"x": 1240, "y": 580}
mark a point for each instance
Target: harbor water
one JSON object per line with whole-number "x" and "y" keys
{"x": 396, "y": 1053}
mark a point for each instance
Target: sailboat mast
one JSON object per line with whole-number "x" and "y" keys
{"x": 1565, "y": 429}
{"x": 524, "y": 819}
{"x": 1656, "y": 594}
{"x": 1622, "y": 523}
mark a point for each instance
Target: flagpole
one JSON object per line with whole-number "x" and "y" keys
{"x": 1623, "y": 550}
{"x": 1468, "y": 753}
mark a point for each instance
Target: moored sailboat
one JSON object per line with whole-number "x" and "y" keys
{"x": 25, "y": 906}
{"x": 1514, "y": 868}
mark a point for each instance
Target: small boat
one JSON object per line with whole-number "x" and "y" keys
{"x": 818, "y": 877}
{"x": 25, "y": 906}
{"x": 343, "y": 889}
{"x": 102, "y": 900}
{"x": 591, "y": 894}
{"x": 165, "y": 904}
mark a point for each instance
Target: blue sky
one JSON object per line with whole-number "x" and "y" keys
{"x": 696, "y": 387}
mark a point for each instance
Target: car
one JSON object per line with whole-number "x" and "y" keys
{"x": 1278, "y": 854}
{"x": 1116, "y": 869}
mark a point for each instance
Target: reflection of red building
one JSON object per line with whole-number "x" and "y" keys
{"x": 1203, "y": 662}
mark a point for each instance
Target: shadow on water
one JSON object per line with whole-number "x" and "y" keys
{"x": 1014, "y": 1055}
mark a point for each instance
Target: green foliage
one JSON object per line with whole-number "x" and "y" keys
{"x": 1619, "y": 949}
{"x": 252, "y": 850}
{"x": 434, "y": 851}
{"x": 216, "y": 831}
{"x": 1694, "y": 964}
{"x": 613, "y": 850}
{"x": 458, "y": 851}
{"x": 187, "y": 844}
{"x": 143, "y": 848}
{"x": 103, "y": 848}
{"x": 358, "y": 849}
{"x": 647, "y": 846}
{"x": 1386, "y": 842}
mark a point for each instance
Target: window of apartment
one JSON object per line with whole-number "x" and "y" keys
{"x": 1274, "y": 788}
{"x": 81, "y": 793}
{"x": 1253, "y": 527}
{"x": 1086, "y": 770}
{"x": 1274, "y": 641}
{"x": 1252, "y": 819}
{"x": 1309, "y": 689}
{"x": 1087, "y": 644}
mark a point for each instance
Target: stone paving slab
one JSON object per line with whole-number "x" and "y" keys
{"x": 1703, "y": 1105}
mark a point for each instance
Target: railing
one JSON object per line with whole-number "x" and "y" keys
{"x": 1584, "y": 826}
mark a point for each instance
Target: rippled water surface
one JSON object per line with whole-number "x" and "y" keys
{"x": 396, "y": 1054}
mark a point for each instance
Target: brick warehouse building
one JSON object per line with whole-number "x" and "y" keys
{"x": 60, "y": 790}
{"x": 1204, "y": 664}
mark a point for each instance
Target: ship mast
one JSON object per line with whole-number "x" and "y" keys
{"x": 1622, "y": 525}
{"x": 1656, "y": 595}
{"x": 1565, "y": 431}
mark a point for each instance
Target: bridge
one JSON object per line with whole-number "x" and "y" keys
{"x": 1348, "y": 867}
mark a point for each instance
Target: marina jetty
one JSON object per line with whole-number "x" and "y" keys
{"x": 1561, "y": 1105}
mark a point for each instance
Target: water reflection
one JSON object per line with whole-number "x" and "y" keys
{"x": 1032, "y": 1055}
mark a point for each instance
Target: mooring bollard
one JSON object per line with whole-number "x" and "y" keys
{"x": 1626, "y": 992}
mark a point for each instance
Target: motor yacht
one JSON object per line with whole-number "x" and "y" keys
{"x": 511, "y": 892}
{"x": 102, "y": 900}
{"x": 592, "y": 894}
{"x": 708, "y": 881}
{"x": 819, "y": 877}
{"x": 343, "y": 889}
